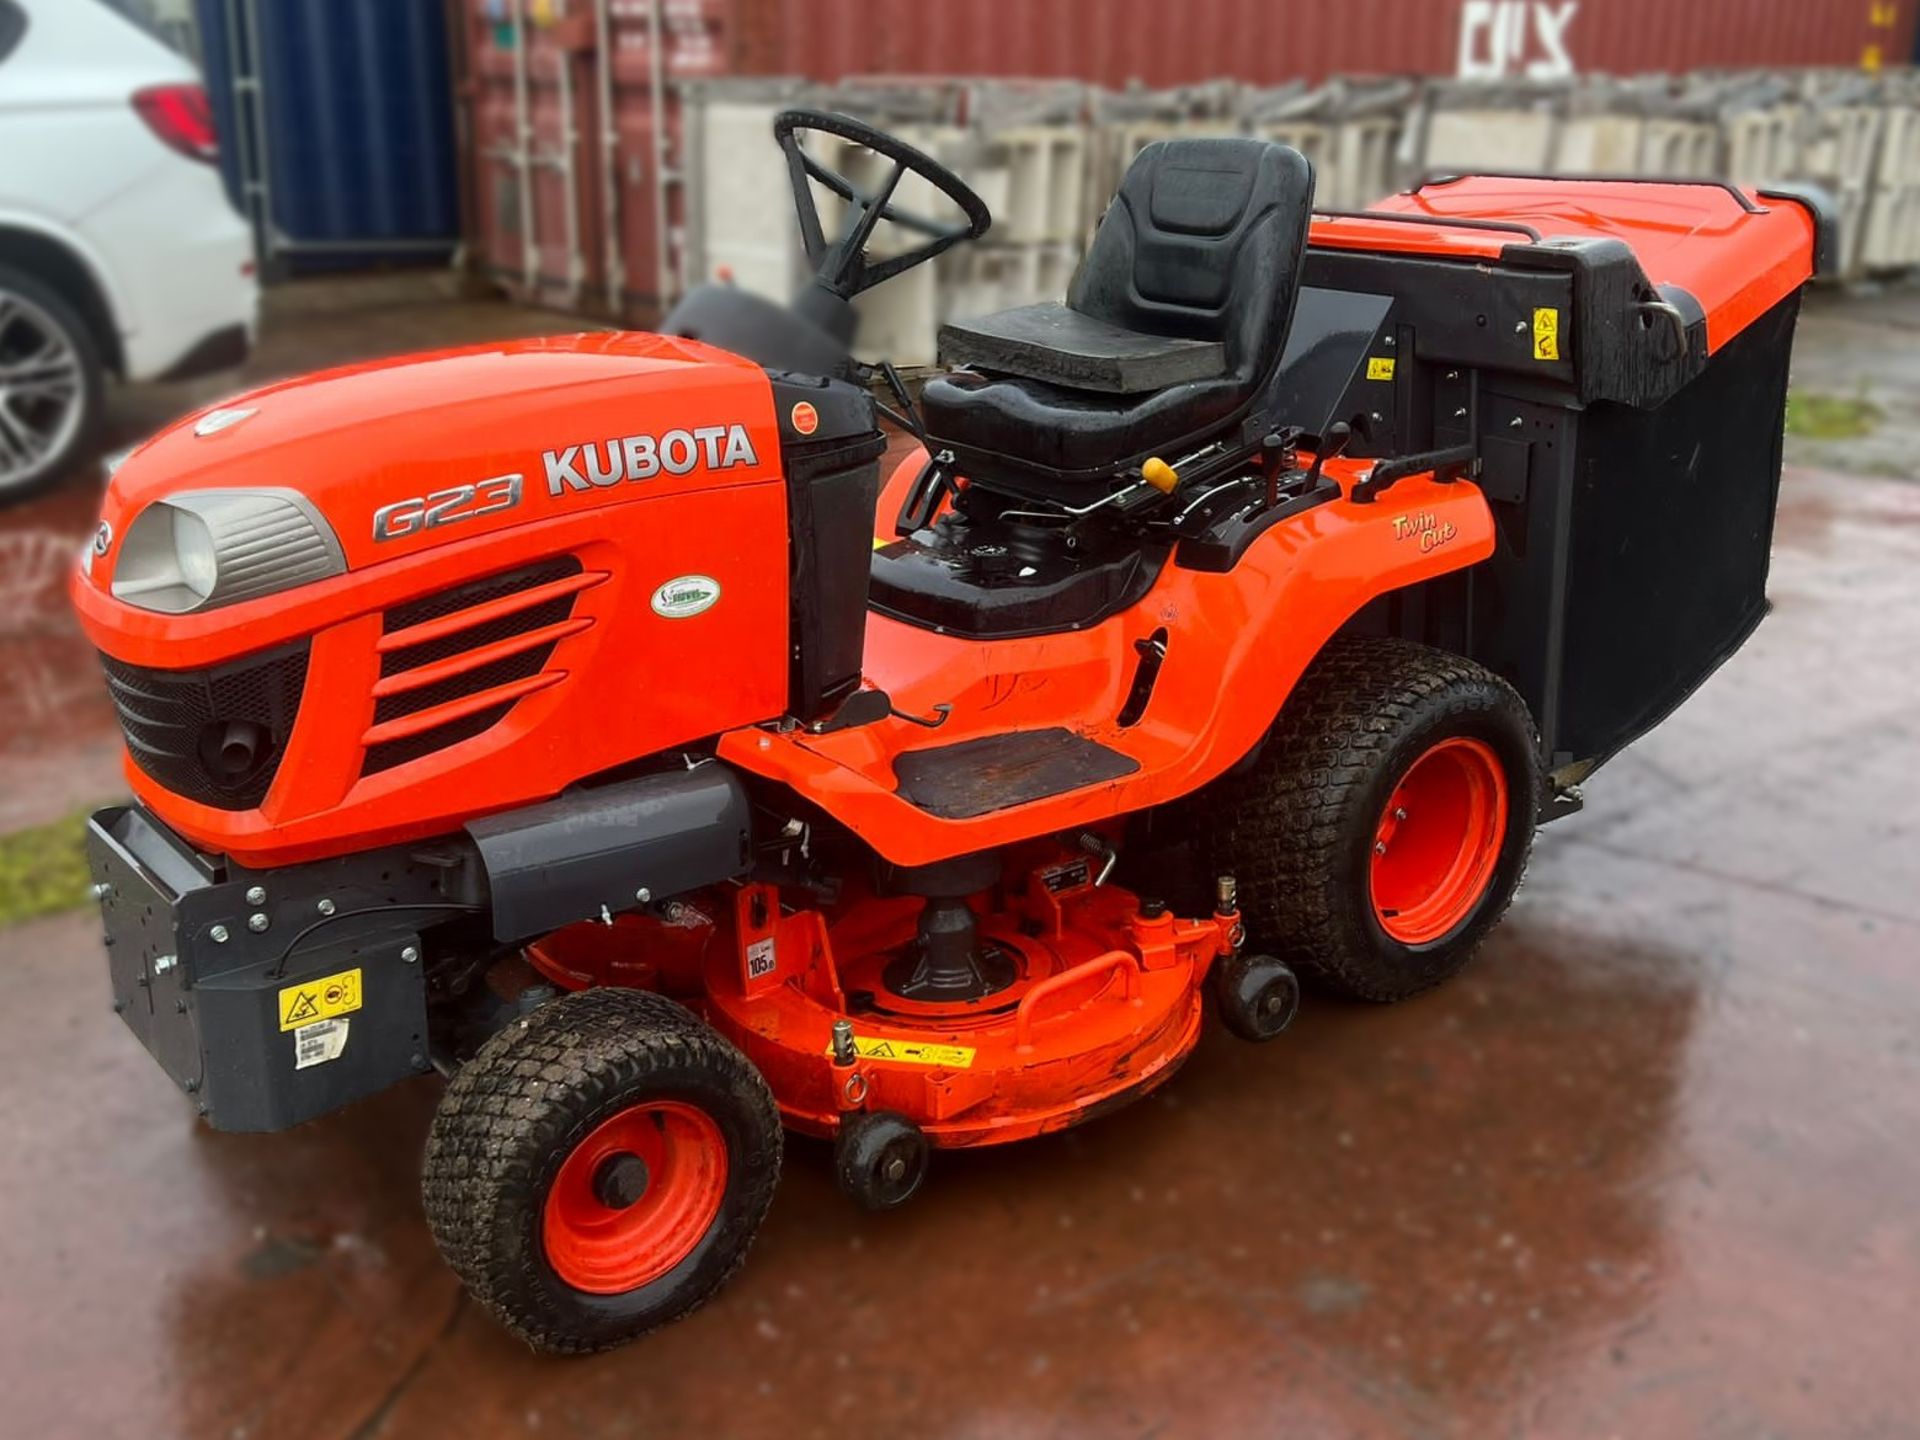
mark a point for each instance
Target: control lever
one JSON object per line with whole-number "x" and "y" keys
{"x": 1332, "y": 444}
{"x": 1277, "y": 457}
{"x": 907, "y": 417}
{"x": 930, "y": 489}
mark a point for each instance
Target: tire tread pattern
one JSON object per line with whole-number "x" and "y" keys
{"x": 1285, "y": 829}
{"x": 525, "y": 1099}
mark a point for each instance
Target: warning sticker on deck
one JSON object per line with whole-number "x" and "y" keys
{"x": 912, "y": 1052}
{"x": 320, "y": 999}
{"x": 1546, "y": 333}
{"x": 1379, "y": 367}
{"x": 320, "y": 1042}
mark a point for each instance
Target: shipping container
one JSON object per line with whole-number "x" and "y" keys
{"x": 1116, "y": 42}
{"x": 581, "y": 212}
{"x": 336, "y": 121}
{"x": 572, "y": 123}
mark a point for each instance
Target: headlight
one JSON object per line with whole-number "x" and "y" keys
{"x": 205, "y": 548}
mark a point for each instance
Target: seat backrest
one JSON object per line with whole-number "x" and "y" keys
{"x": 1204, "y": 240}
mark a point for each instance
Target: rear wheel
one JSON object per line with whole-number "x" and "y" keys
{"x": 50, "y": 384}
{"x": 1387, "y": 821}
{"x": 600, "y": 1168}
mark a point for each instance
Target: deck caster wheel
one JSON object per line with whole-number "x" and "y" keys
{"x": 880, "y": 1159}
{"x": 599, "y": 1168}
{"x": 1257, "y": 995}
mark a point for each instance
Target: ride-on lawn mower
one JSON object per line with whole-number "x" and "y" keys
{"x": 584, "y": 718}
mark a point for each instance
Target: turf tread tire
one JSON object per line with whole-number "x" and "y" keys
{"x": 1287, "y": 825}
{"x": 511, "y": 1115}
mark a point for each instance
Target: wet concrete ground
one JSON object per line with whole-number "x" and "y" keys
{"x": 1649, "y": 1168}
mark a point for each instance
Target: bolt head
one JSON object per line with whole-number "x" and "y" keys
{"x": 100, "y": 891}
{"x": 257, "y": 922}
{"x": 1519, "y": 327}
{"x": 410, "y": 954}
{"x": 643, "y": 894}
{"x": 325, "y": 907}
{"x": 1379, "y": 847}
{"x": 218, "y": 934}
{"x": 896, "y": 1169}
{"x": 256, "y": 895}
{"x": 163, "y": 964}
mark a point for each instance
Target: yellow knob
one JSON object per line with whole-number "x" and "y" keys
{"x": 1159, "y": 474}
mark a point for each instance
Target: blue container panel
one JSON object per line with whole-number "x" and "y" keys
{"x": 358, "y": 117}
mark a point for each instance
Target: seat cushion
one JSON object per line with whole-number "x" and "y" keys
{"x": 1051, "y": 343}
{"x": 1199, "y": 255}
{"x": 1011, "y": 426}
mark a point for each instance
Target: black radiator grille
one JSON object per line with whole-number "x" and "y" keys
{"x": 215, "y": 736}
{"x": 476, "y": 681}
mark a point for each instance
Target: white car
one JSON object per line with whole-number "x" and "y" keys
{"x": 120, "y": 253}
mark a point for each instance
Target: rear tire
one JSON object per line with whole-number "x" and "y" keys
{"x": 600, "y": 1168}
{"x": 1379, "y": 728}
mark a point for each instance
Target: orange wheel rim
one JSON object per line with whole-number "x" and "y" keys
{"x": 1438, "y": 840}
{"x": 635, "y": 1197}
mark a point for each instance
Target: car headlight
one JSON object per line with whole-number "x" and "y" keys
{"x": 202, "y": 549}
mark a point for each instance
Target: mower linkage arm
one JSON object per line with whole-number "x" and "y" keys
{"x": 1447, "y": 463}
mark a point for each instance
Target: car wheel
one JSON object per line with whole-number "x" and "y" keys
{"x": 50, "y": 384}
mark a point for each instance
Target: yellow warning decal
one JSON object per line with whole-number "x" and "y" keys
{"x": 1379, "y": 367}
{"x": 1546, "y": 333}
{"x": 320, "y": 999}
{"x": 912, "y": 1052}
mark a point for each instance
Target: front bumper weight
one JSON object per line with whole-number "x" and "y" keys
{"x": 258, "y": 1036}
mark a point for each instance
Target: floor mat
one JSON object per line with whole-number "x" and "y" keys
{"x": 977, "y": 777}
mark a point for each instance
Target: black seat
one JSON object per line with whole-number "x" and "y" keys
{"x": 1173, "y": 323}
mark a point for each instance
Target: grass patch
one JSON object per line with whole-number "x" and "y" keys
{"x": 1831, "y": 417}
{"x": 44, "y": 870}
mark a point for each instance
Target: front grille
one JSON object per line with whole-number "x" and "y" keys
{"x": 214, "y": 736}
{"x": 465, "y": 682}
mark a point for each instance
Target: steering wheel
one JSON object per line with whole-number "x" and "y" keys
{"x": 842, "y": 266}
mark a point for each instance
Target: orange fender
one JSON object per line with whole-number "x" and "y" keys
{"x": 1236, "y": 645}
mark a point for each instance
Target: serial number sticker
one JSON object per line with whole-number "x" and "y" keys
{"x": 320, "y": 1042}
{"x": 1068, "y": 876}
{"x": 912, "y": 1052}
{"x": 1546, "y": 333}
{"x": 320, "y": 999}
{"x": 1380, "y": 367}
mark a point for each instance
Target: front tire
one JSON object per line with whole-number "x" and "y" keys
{"x": 1386, "y": 824}
{"x": 600, "y": 1168}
